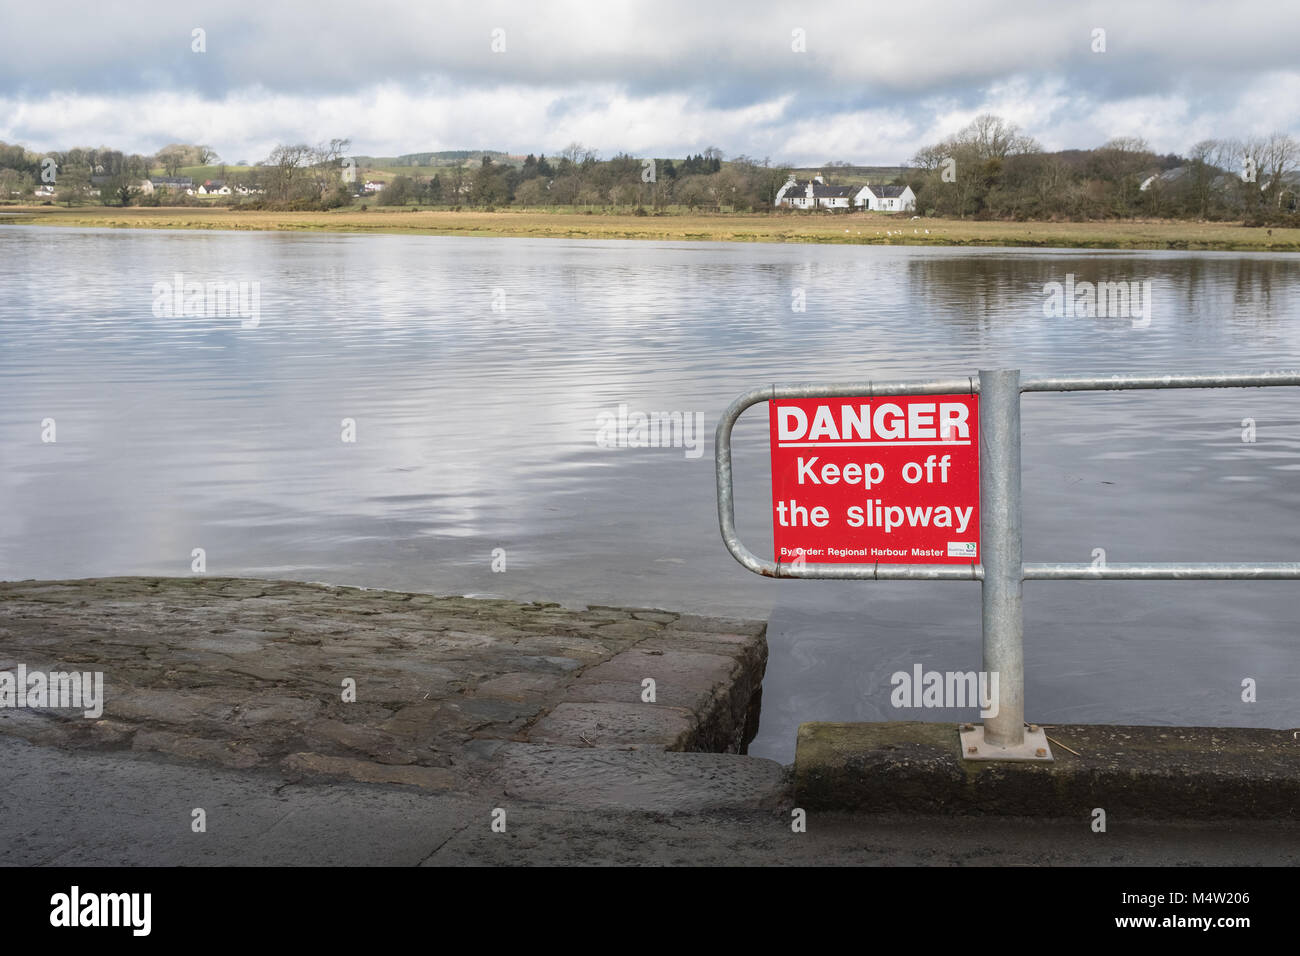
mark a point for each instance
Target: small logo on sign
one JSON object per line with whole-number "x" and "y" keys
{"x": 962, "y": 549}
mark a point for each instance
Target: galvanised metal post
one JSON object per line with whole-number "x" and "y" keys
{"x": 1000, "y": 543}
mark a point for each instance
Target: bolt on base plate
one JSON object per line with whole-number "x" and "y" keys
{"x": 1035, "y": 748}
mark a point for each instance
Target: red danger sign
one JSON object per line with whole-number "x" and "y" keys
{"x": 892, "y": 480}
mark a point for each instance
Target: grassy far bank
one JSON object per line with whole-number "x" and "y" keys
{"x": 860, "y": 228}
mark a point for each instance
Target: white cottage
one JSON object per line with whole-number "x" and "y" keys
{"x": 814, "y": 194}
{"x": 885, "y": 198}
{"x": 180, "y": 184}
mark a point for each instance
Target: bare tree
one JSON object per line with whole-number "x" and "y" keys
{"x": 995, "y": 138}
{"x": 1249, "y": 161}
{"x": 575, "y": 166}
{"x": 1279, "y": 155}
{"x": 578, "y": 154}
{"x": 930, "y": 157}
{"x": 1123, "y": 161}
{"x": 324, "y": 159}
{"x": 1203, "y": 170}
{"x": 1127, "y": 144}
{"x": 171, "y": 158}
{"x": 284, "y": 169}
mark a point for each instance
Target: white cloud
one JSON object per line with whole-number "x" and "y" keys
{"x": 663, "y": 77}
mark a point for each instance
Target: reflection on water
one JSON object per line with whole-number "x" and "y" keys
{"x": 475, "y": 370}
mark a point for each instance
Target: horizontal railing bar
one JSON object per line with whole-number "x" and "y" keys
{"x": 1085, "y": 383}
{"x": 881, "y": 572}
{"x": 967, "y": 384}
{"x": 1277, "y": 571}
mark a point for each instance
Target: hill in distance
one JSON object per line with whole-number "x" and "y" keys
{"x": 446, "y": 157}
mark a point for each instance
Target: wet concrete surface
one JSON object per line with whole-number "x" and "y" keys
{"x": 124, "y": 809}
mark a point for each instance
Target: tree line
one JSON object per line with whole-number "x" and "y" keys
{"x": 993, "y": 170}
{"x": 988, "y": 170}
{"x": 578, "y": 177}
{"x": 73, "y": 172}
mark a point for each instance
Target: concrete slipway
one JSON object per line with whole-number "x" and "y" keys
{"x": 317, "y": 724}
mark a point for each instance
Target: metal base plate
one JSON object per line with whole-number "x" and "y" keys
{"x": 1035, "y": 749}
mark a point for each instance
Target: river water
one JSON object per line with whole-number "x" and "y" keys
{"x": 476, "y": 373}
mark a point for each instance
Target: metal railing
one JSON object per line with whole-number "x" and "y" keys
{"x": 1002, "y": 570}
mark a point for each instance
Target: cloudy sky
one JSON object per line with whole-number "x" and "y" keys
{"x": 871, "y": 84}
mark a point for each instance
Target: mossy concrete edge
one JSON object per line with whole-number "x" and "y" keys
{"x": 1205, "y": 773}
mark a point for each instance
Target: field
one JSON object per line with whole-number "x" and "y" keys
{"x": 863, "y": 228}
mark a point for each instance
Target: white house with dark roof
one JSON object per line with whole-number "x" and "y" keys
{"x": 816, "y": 194}
{"x": 885, "y": 198}
{"x": 180, "y": 184}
